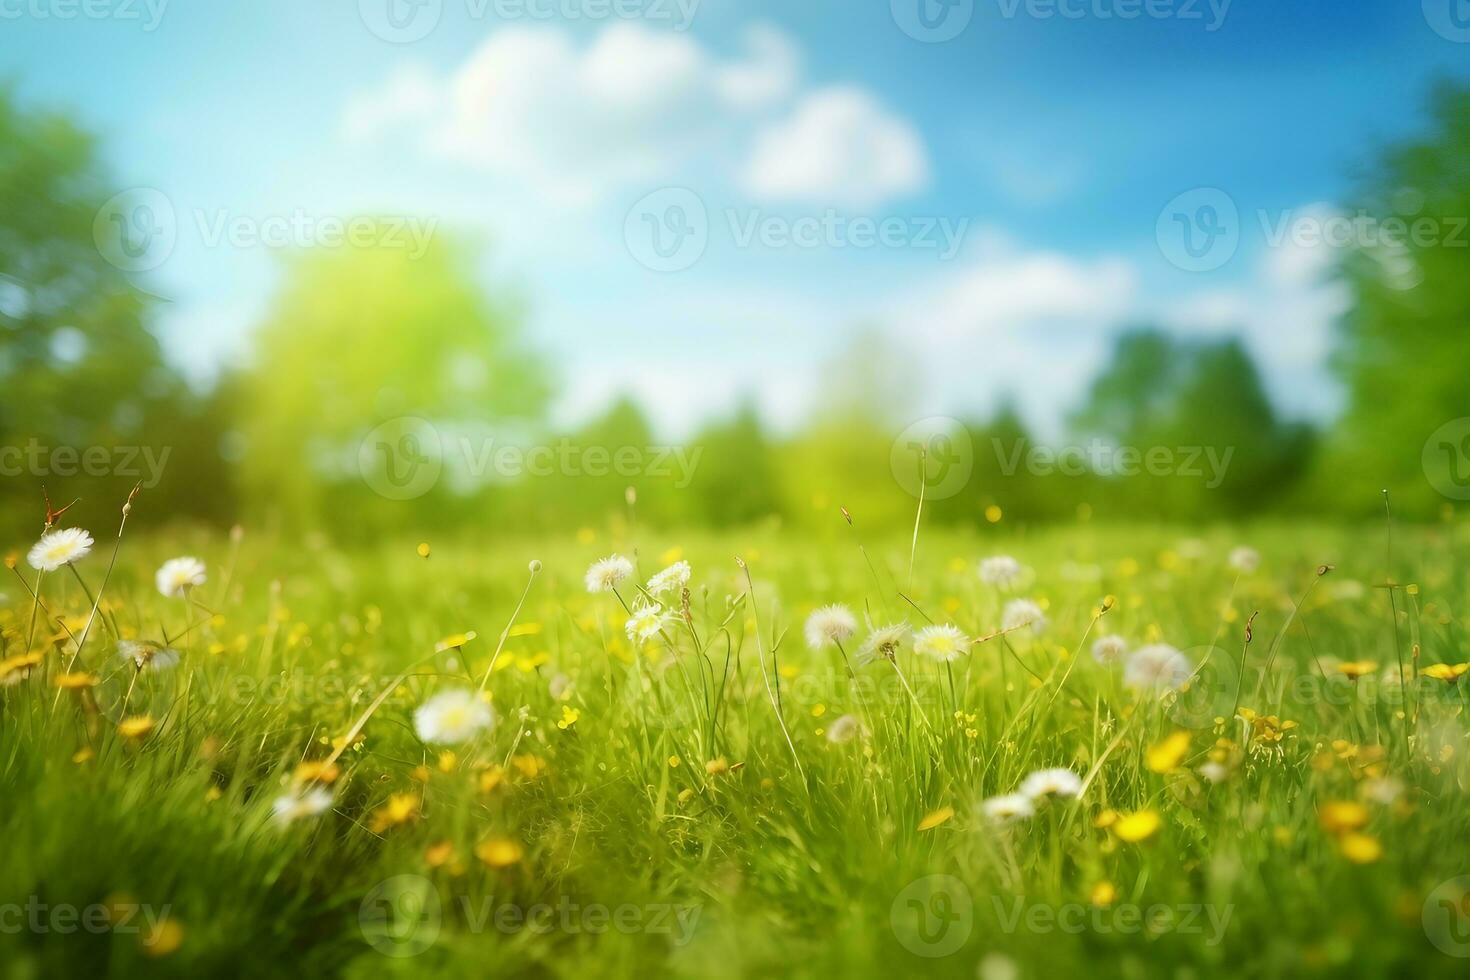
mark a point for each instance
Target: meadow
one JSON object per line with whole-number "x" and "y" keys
{"x": 1134, "y": 749}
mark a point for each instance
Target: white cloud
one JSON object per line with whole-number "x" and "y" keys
{"x": 838, "y": 147}
{"x": 532, "y": 106}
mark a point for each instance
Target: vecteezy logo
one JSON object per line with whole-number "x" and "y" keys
{"x": 400, "y": 21}
{"x": 1446, "y": 459}
{"x": 667, "y": 231}
{"x": 136, "y": 230}
{"x": 1199, "y": 230}
{"x": 402, "y": 458}
{"x": 933, "y": 916}
{"x": 400, "y": 917}
{"x": 1211, "y": 691}
{"x": 932, "y": 21}
{"x": 1446, "y": 917}
{"x": 934, "y": 456}
{"x": 1450, "y": 19}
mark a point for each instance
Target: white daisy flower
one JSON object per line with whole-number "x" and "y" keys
{"x": 1051, "y": 782}
{"x": 1019, "y": 613}
{"x": 1244, "y": 559}
{"x": 671, "y": 579}
{"x": 605, "y": 574}
{"x": 844, "y": 728}
{"x": 1000, "y": 571}
{"x": 1109, "y": 649}
{"x": 178, "y": 575}
{"x": 647, "y": 619}
{"x": 1008, "y": 808}
{"x": 942, "y": 643}
{"x": 452, "y": 716}
{"x": 1215, "y": 772}
{"x": 291, "y": 807}
{"x": 1157, "y": 667}
{"x": 147, "y": 656}
{"x": 829, "y": 625}
{"x": 59, "y": 547}
{"x": 883, "y": 642}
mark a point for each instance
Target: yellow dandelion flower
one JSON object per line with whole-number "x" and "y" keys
{"x": 499, "y": 852}
{"x": 1449, "y": 673}
{"x": 491, "y": 778}
{"x": 400, "y": 809}
{"x": 1105, "y": 819}
{"x": 673, "y": 762}
{"x": 940, "y": 816}
{"x": 1353, "y": 669}
{"x": 1342, "y": 816}
{"x": 448, "y": 761}
{"x": 569, "y": 716}
{"x": 1103, "y": 894}
{"x": 319, "y": 771}
{"x": 162, "y": 938}
{"x": 438, "y": 854}
{"x": 455, "y": 641}
{"x": 1360, "y": 848}
{"x": 529, "y": 766}
{"x": 1166, "y": 755}
{"x": 423, "y": 549}
{"x": 15, "y": 669}
{"x": 136, "y": 727}
{"x": 83, "y": 755}
{"x": 75, "y": 682}
{"x": 1135, "y": 827}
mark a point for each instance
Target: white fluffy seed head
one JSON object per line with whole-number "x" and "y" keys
{"x": 606, "y": 574}
{"x": 829, "y": 625}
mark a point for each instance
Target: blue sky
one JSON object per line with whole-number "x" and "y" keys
{"x": 1029, "y": 171}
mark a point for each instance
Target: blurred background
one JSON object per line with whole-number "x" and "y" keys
{"x": 377, "y": 265}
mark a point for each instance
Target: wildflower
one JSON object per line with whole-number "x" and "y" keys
{"x": 942, "y": 815}
{"x": 605, "y": 574}
{"x": 400, "y": 809}
{"x": 73, "y": 682}
{"x": 1158, "y": 666}
{"x": 1109, "y": 649}
{"x": 1342, "y": 816}
{"x": 178, "y": 575}
{"x": 162, "y": 938}
{"x": 1383, "y": 790}
{"x": 717, "y": 767}
{"x": 454, "y": 641}
{"x": 1244, "y": 559}
{"x": 1019, "y": 613}
{"x": 883, "y": 642}
{"x": 1353, "y": 669}
{"x": 844, "y": 728}
{"x": 439, "y": 853}
{"x": 1360, "y": 848}
{"x": 829, "y": 625}
{"x": 1008, "y": 808}
{"x": 569, "y": 716}
{"x": 147, "y": 656}
{"x": 1051, "y": 782}
{"x": 452, "y": 716}
{"x": 59, "y": 547}
{"x": 136, "y": 727}
{"x": 1449, "y": 673}
{"x": 1266, "y": 728}
{"x": 1103, "y": 894}
{"x": 499, "y": 852}
{"x": 1165, "y": 756}
{"x": 1215, "y": 772}
{"x": 671, "y": 579}
{"x": 316, "y": 772}
{"x": 1132, "y": 828}
{"x": 15, "y": 669}
{"x": 942, "y": 643}
{"x": 291, "y": 807}
{"x": 1001, "y": 571}
{"x": 646, "y": 621}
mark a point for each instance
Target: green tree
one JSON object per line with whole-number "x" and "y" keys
{"x": 1403, "y": 349}
{"x": 383, "y": 370}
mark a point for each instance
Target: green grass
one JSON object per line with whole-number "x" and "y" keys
{"x": 802, "y": 858}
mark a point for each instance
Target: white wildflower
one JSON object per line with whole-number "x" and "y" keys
{"x": 844, "y": 728}
{"x": 1008, "y": 808}
{"x": 647, "y": 619}
{"x": 59, "y": 547}
{"x": 452, "y": 716}
{"x": 884, "y": 642}
{"x": 1157, "y": 667}
{"x": 178, "y": 575}
{"x": 1109, "y": 649}
{"x": 829, "y": 625}
{"x": 671, "y": 579}
{"x": 1244, "y": 559}
{"x": 147, "y": 656}
{"x": 605, "y": 574}
{"x": 942, "y": 643}
{"x": 1001, "y": 571}
{"x": 1019, "y": 613}
{"x": 291, "y": 807}
{"x": 1051, "y": 782}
